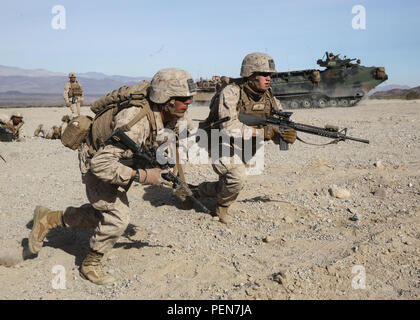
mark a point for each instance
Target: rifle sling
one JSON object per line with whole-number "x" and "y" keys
{"x": 145, "y": 110}
{"x": 335, "y": 141}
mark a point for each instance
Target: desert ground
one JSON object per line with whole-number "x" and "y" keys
{"x": 334, "y": 222}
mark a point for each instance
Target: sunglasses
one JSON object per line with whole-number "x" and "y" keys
{"x": 182, "y": 99}
{"x": 263, "y": 74}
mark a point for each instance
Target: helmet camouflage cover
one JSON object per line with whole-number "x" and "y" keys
{"x": 169, "y": 83}
{"x": 72, "y": 75}
{"x": 257, "y": 62}
{"x": 17, "y": 115}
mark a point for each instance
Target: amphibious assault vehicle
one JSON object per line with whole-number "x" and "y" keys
{"x": 206, "y": 89}
{"x": 342, "y": 83}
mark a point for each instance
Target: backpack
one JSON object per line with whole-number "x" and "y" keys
{"x": 94, "y": 131}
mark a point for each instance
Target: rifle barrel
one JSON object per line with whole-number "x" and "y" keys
{"x": 285, "y": 123}
{"x": 323, "y": 132}
{"x": 176, "y": 181}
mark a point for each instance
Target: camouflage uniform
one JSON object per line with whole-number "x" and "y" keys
{"x": 78, "y": 98}
{"x": 231, "y": 173}
{"x": 53, "y": 133}
{"x": 107, "y": 180}
{"x": 232, "y": 169}
{"x": 17, "y": 130}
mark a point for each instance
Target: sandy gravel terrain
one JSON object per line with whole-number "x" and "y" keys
{"x": 290, "y": 238}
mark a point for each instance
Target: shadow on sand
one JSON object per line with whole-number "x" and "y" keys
{"x": 76, "y": 242}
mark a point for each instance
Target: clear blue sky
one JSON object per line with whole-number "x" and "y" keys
{"x": 137, "y": 38}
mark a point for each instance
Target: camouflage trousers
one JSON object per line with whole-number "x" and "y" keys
{"x": 75, "y": 109}
{"x": 107, "y": 213}
{"x": 231, "y": 182}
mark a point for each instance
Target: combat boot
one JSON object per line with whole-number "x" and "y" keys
{"x": 44, "y": 220}
{"x": 223, "y": 214}
{"x": 92, "y": 270}
{"x": 39, "y": 130}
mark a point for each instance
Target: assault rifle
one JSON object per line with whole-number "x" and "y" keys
{"x": 282, "y": 120}
{"x": 145, "y": 158}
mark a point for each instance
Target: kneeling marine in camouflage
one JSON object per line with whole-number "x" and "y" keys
{"x": 107, "y": 180}
{"x": 53, "y": 133}
{"x": 250, "y": 95}
{"x": 12, "y": 129}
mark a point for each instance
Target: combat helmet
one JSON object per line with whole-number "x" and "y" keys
{"x": 72, "y": 75}
{"x": 16, "y": 115}
{"x": 257, "y": 62}
{"x": 169, "y": 83}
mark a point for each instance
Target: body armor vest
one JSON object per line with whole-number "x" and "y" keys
{"x": 75, "y": 90}
{"x": 260, "y": 108}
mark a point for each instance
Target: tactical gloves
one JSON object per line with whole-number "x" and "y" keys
{"x": 288, "y": 135}
{"x": 149, "y": 176}
{"x": 269, "y": 132}
{"x": 273, "y": 133}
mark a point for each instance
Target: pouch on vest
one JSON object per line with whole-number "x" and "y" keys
{"x": 75, "y": 90}
{"x": 76, "y": 132}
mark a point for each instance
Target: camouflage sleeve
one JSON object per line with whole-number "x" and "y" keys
{"x": 277, "y": 105}
{"x": 82, "y": 97}
{"x": 229, "y": 98}
{"x": 21, "y": 135}
{"x": 66, "y": 92}
{"x": 106, "y": 167}
{"x": 105, "y": 163}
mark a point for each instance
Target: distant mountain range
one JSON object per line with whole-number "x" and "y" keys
{"x": 23, "y": 87}
{"x": 397, "y": 92}
{"x": 386, "y": 87}
{"x": 40, "y": 81}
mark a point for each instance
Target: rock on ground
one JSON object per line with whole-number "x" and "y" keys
{"x": 289, "y": 238}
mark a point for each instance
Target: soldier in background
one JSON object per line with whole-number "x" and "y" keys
{"x": 55, "y": 132}
{"x": 12, "y": 129}
{"x": 107, "y": 180}
{"x": 252, "y": 95}
{"x": 73, "y": 95}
